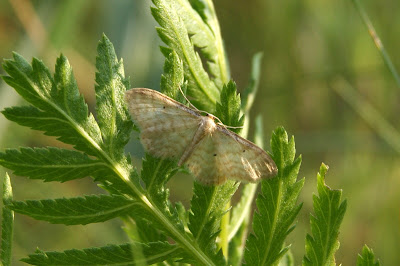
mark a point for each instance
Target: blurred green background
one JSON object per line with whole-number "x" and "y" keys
{"x": 312, "y": 50}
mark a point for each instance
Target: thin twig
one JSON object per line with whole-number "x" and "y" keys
{"x": 377, "y": 41}
{"x": 369, "y": 113}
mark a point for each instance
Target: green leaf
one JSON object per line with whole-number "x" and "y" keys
{"x": 287, "y": 259}
{"x": 56, "y": 98}
{"x": 182, "y": 214}
{"x": 173, "y": 76}
{"x": 147, "y": 232}
{"x": 174, "y": 34}
{"x": 7, "y": 223}
{"x": 367, "y": 257}
{"x": 228, "y": 108}
{"x": 81, "y": 210}
{"x": 202, "y": 25}
{"x": 242, "y": 209}
{"x": 276, "y": 204}
{"x": 51, "y": 164}
{"x": 59, "y": 110}
{"x": 155, "y": 173}
{"x": 112, "y": 113}
{"x": 325, "y": 223}
{"x": 107, "y": 255}
{"x": 208, "y": 205}
{"x": 240, "y": 214}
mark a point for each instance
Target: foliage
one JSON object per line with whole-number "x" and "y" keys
{"x": 367, "y": 258}
{"x": 329, "y": 211}
{"x": 7, "y": 223}
{"x": 159, "y": 230}
{"x": 277, "y": 207}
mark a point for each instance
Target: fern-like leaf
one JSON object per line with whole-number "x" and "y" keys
{"x": 173, "y": 77}
{"x": 174, "y": 34}
{"x": 108, "y": 255}
{"x": 155, "y": 174}
{"x": 276, "y": 204}
{"x": 202, "y": 25}
{"x": 57, "y": 98}
{"x": 116, "y": 125}
{"x": 59, "y": 110}
{"x": 81, "y": 210}
{"x": 240, "y": 214}
{"x": 329, "y": 211}
{"x": 367, "y": 257}
{"x": 228, "y": 108}
{"x": 51, "y": 164}
{"x": 208, "y": 205}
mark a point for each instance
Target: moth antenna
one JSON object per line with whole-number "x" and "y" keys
{"x": 184, "y": 96}
{"x": 222, "y": 124}
{"x": 219, "y": 123}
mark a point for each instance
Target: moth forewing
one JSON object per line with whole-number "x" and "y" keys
{"x": 210, "y": 151}
{"x": 165, "y": 128}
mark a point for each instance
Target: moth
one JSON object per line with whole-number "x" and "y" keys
{"x": 211, "y": 152}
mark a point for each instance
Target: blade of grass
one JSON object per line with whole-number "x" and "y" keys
{"x": 369, "y": 113}
{"x": 377, "y": 40}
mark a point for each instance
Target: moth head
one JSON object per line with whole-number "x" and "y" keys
{"x": 209, "y": 122}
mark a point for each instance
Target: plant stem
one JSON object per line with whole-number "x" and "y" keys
{"x": 377, "y": 41}
{"x": 224, "y": 241}
{"x": 369, "y": 113}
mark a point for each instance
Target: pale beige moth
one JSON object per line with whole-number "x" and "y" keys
{"x": 211, "y": 152}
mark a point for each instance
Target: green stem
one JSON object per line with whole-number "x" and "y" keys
{"x": 377, "y": 41}
{"x": 369, "y": 113}
{"x": 224, "y": 241}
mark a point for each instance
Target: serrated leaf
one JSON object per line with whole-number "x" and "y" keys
{"x": 276, "y": 204}
{"x": 241, "y": 213}
{"x": 173, "y": 77}
{"x": 61, "y": 110}
{"x": 81, "y": 210}
{"x": 7, "y": 223}
{"x": 367, "y": 257}
{"x": 208, "y": 205}
{"x": 228, "y": 108}
{"x": 52, "y": 164}
{"x": 325, "y": 223}
{"x": 148, "y": 233}
{"x": 112, "y": 113}
{"x": 155, "y": 173}
{"x": 173, "y": 33}
{"x": 182, "y": 214}
{"x": 57, "y": 98}
{"x": 107, "y": 255}
{"x": 202, "y": 25}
